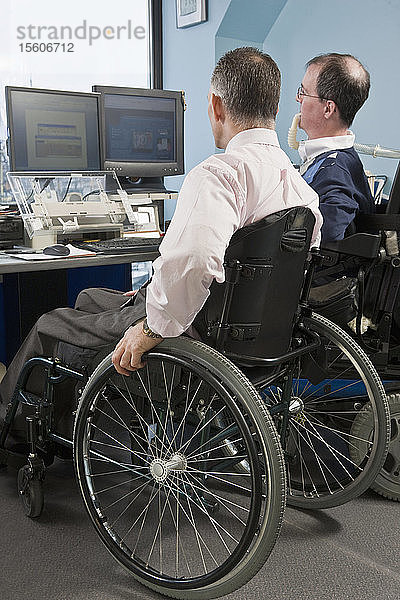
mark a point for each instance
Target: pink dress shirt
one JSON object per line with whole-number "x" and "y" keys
{"x": 250, "y": 180}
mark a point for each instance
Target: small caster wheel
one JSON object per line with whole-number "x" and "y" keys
{"x": 31, "y": 492}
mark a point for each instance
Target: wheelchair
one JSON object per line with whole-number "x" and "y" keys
{"x": 185, "y": 466}
{"x": 370, "y": 299}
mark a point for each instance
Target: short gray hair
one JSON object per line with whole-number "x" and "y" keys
{"x": 248, "y": 82}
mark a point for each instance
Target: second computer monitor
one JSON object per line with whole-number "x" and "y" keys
{"x": 142, "y": 131}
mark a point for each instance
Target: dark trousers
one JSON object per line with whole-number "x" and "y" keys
{"x": 97, "y": 323}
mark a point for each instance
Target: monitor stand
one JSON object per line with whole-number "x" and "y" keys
{"x": 142, "y": 184}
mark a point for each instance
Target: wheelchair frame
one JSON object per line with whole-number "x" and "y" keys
{"x": 378, "y": 281}
{"x": 243, "y": 424}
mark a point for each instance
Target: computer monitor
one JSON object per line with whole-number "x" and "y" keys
{"x": 52, "y": 130}
{"x": 142, "y": 133}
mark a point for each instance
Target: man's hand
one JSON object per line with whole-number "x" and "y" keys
{"x": 131, "y": 293}
{"x": 127, "y": 355}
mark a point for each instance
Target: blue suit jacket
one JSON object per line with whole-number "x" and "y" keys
{"x": 338, "y": 178}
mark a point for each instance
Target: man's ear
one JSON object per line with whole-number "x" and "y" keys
{"x": 330, "y": 109}
{"x": 218, "y": 108}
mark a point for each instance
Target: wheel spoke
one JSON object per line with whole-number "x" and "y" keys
{"x": 132, "y": 405}
{"x": 224, "y": 501}
{"x": 121, "y": 445}
{"x": 126, "y": 428}
{"x": 212, "y": 521}
{"x": 313, "y": 450}
{"x": 164, "y": 433}
{"x": 303, "y": 465}
{"x": 158, "y": 533}
{"x": 334, "y": 451}
{"x": 141, "y": 488}
{"x": 342, "y": 435}
{"x": 229, "y": 483}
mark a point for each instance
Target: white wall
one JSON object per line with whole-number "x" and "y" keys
{"x": 105, "y": 61}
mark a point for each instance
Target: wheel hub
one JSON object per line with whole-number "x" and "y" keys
{"x": 296, "y": 409}
{"x": 296, "y": 405}
{"x": 160, "y": 468}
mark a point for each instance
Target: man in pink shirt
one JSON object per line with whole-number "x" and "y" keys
{"x": 250, "y": 180}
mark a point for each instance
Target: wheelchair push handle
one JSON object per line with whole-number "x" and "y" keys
{"x": 315, "y": 260}
{"x": 233, "y": 269}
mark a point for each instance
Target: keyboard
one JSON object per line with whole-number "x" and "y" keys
{"x": 121, "y": 245}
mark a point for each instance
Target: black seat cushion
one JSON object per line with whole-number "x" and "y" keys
{"x": 336, "y": 300}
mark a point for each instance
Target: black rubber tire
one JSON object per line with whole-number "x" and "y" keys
{"x": 206, "y": 363}
{"x": 326, "y": 457}
{"x": 31, "y": 493}
{"x": 387, "y": 483}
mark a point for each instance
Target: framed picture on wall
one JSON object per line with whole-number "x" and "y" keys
{"x": 190, "y": 12}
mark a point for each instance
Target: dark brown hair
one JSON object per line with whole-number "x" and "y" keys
{"x": 343, "y": 79}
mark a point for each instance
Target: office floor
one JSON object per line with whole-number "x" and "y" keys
{"x": 349, "y": 552}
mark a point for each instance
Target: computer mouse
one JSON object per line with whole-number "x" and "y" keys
{"x": 57, "y": 250}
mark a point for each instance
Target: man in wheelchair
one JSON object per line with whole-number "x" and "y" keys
{"x": 358, "y": 284}
{"x": 251, "y": 179}
{"x": 183, "y": 461}
{"x": 333, "y": 89}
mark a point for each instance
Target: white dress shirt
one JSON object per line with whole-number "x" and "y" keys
{"x": 310, "y": 149}
{"x": 250, "y": 180}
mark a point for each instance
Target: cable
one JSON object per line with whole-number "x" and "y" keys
{"x": 66, "y": 191}
{"x": 46, "y": 183}
{"x": 91, "y": 193}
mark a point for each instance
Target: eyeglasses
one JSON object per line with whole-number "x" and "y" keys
{"x": 301, "y": 93}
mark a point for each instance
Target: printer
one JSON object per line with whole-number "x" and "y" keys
{"x": 68, "y": 207}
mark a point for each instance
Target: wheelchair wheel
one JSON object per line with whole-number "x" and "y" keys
{"x": 328, "y": 462}
{"x": 171, "y": 507}
{"x": 31, "y": 491}
{"x": 387, "y": 483}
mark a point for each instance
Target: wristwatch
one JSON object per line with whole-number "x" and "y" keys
{"x": 149, "y": 332}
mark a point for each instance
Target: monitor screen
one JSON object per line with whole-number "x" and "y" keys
{"x": 139, "y": 129}
{"x": 52, "y": 130}
{"x": 142, "y": 131}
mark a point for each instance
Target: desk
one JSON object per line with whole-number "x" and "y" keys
{"x": 30, "y": 288}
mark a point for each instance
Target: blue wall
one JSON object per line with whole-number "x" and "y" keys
{"x": 246, "y": 24}
{"x": 190, "y": 56}
{"x": 189, "y": 59}
{"x": 369, "y": 29}
{"x": 292, "y": 32}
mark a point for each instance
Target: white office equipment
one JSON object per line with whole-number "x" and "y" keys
{"x": 78, "y": 206}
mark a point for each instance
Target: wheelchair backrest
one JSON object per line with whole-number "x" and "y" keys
{"x": 393, "y": 204}
{"x": 272, "y": 255}
{"x": 383, "y": 282}
{"x": 363, "y": 246}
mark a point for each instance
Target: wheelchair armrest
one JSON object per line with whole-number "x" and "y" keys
{"x": 363, "y": 245}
